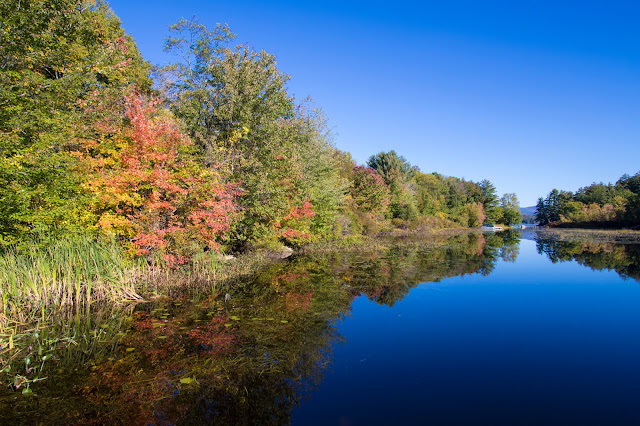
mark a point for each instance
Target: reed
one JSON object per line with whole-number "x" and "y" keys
{"x": 68, "y": 272}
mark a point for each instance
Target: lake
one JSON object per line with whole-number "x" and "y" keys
{"x": 499, "y": 328}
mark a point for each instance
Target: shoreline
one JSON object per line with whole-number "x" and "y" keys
{"x": 77, "y": 274}
{"x": 22, "y": 302}
{"x": 620, "y": 236}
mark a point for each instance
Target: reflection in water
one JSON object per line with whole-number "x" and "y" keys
{"x": 204, "y": 359}
{"x": 624, "y": 259}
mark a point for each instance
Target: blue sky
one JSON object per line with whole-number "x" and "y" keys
{"x": 530, "y": 95}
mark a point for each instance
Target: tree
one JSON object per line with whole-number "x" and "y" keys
{"x": 430, "y": 190}
{"x": 542, "y": 215}
{"x": 147, "y": 189}
{"x": 510, "y": 209}
{"x": 219, "y": 91}
{"x": 392, "y": 167}
{"x": 398, "y": 174}
{"x": 235, "y": 106}
{"x": 489, "y": 200}
{"x": 54, "y": 55}
{"x": 370, "y": 193}
{"x": 631, "y": 183}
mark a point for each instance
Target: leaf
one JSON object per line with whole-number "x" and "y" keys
{"x": 187, "y": 380}
{"x": 27, "y": 391}
{"x": 131, "y": 349}
{"x": 235, "y": 318}
{"x": 284, "y": 321}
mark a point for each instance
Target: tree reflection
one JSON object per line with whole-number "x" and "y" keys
{"x": 622, "y": 258}
{"x": 249, "y": 359}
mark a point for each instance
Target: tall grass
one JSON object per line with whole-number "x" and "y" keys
{"x": 67, "y": 272}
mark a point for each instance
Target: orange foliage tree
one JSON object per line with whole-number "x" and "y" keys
{"x": 150, "y": 191}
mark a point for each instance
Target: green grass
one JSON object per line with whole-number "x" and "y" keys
{"x": 71, "y": 272}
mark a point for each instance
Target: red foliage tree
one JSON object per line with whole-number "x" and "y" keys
{"x": 148, "y": 189}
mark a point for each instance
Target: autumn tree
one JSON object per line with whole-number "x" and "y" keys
{"x": 371, "y": 198}
{"x": 147, "y": 189}
{"x": 53, "y": 53}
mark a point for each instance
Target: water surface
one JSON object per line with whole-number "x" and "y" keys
{"x": 473, "y": 329}
{"x": 531, "y": 343}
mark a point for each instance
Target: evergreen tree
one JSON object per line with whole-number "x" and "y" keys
{"x": 489, "y": 200}
{"x": 542, "y": 216}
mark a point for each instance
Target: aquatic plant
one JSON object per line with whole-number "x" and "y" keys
{"x": 67, "y": 272}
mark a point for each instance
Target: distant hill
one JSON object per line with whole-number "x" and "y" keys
{"x": 528, "y": 210}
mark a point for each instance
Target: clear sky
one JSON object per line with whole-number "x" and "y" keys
{"x": 530, "y": 95}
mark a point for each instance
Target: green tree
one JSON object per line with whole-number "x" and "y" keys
{"x": 430, "y": 190}
{"x": 235, "y": 106}
{"x": 542, "y": 215}
{"x": 54, "y": 56}
{"x": 490, "y": 200}
{"x": 398, "y": 173}
{"x": 510, "y": 209}
{"x": 391, "y": 166}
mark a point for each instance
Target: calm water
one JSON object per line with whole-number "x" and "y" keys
{"x": 478, "y": 329}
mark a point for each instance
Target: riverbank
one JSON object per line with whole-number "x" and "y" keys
{"x": 72, "y": 274}
{"x": 255, "y": 350}
{"x": 622, "y": 236}
{"x": 257, "y": 292}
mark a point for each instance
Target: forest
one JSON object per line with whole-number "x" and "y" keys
{"x": 597, "y": 205}
{"x": 207, "y": 153}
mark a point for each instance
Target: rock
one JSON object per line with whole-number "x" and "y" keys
{"x": 280, "y": 254}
